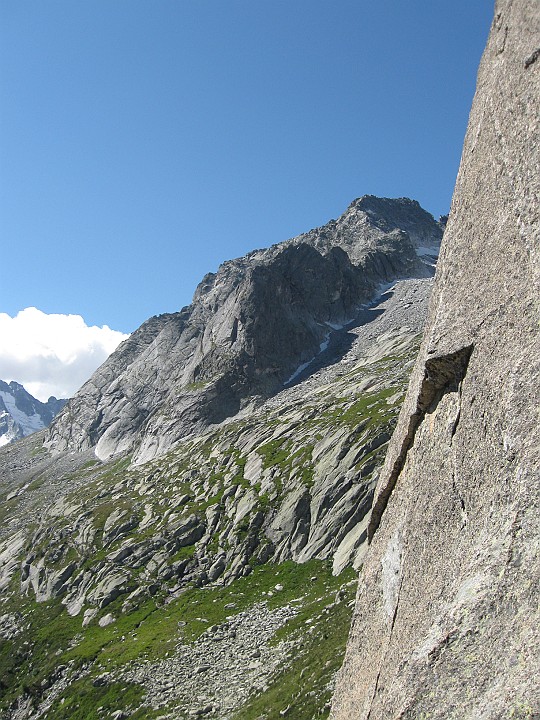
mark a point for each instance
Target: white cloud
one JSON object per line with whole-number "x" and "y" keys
{"x": 52, "y": 354}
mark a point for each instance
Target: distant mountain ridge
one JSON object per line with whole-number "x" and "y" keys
{"x": 21, "y": 414}
{"x": 249, "y": 329}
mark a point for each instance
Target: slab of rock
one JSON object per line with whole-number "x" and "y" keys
{"x": 447, "y": 622}
{"x": 9, "y": 560}
{"x": 106, "y": 620}
{"x": 113, "y": 585}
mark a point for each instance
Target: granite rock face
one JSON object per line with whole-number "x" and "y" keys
{"x": 250, "y": 327}
{"x": 447, "y": 621}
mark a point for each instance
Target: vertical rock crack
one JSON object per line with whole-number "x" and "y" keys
{"x": 442, "y": 374}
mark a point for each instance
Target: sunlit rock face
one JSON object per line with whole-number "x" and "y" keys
{"x": 447, "y": 621}
{"x": 251, "y": 328}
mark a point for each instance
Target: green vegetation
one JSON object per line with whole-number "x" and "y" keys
{"x": 290, "y": 459}
{"x": 85, "y": 701}
{"x": 53, "y": 638}
{"x": 190, "y": 479}
{"x": 275, "y": 452}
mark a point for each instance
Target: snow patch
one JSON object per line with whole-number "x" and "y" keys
{"x": 322, "y": 347}
{"x": 335, "y": 326}
{"x": 428, "y": 255}
{"x": 27, "y": 423}
{"x": 298, "y": 370}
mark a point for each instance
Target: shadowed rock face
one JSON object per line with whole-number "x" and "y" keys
{"x": 447, "y": 621}
{"x": 250, "y": 326}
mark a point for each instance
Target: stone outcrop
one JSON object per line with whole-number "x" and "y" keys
{"x": 250, "y": 327}
{"x": 447, "y": 621}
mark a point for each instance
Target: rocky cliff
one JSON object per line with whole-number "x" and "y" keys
{"x": 447, "y": 621}
{"x": 250, "y": 328}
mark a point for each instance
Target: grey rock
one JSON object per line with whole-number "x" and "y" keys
{"x": 9, "y": 626}
{"x": 118, "y": 556}
{"x": 249, "y": 328}
{"x": 447, "y": 620}
{"x": 134, "y": 599}
{"x": 188, "y": 531}
{"x": 216, "y": 569}
{"x": 89, "y": 615}
{"x": 217, "y": 676}
{"x": 9, "y": 557}
{"x": 118, "y": 523}
{"x": 202, "y": 711}
{"x": 57, "y": 581}
{"x": 106, "y": 620}
{"x": 110, "y": 588}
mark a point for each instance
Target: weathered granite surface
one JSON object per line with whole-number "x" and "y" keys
{"x": 447, "y": 622}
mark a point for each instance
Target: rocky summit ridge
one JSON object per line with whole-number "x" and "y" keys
{"x": 249, "y": 329}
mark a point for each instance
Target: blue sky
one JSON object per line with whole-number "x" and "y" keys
{"x": 144, "y": 142}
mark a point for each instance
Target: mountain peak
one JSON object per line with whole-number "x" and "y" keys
{"x": 248, "y": 329}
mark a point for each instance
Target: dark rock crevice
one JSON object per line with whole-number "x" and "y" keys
{"x": 442, "y": 374}
{"x": 532, "y": 58}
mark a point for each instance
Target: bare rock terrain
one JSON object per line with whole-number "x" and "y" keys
{"x": 447, "y": 620}
{"x": 250, "y": 327}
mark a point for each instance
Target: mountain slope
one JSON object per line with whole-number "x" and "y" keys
{"x": 447, "y": 620}
{"x": 21, "y": 414}
{"x": 216, "y": 578}
{"x": 180, "y": 557}
{"x": 248, "y": 330}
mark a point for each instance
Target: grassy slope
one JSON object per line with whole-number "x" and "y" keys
{"x": 52, "y": 642}
{"x": 53, "y": 639}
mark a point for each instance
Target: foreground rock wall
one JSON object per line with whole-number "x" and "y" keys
{"x": 447, "y": 623}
